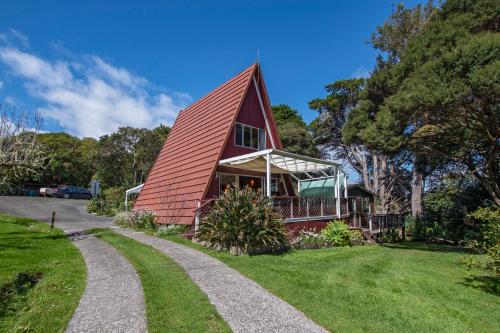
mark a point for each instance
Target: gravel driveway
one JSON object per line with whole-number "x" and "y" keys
{"x": 71, "y": 214}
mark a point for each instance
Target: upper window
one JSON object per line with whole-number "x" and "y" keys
{"x": 250, "y": 137}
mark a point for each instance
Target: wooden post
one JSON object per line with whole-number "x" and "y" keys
{"x": 291, "y": 208}
{"x": 197, "y": 217}
{"x": 52, "y": 220}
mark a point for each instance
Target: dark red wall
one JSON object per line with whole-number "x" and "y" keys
{"x": 250, "y": 114}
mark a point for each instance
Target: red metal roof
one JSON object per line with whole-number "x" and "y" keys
{"x": 190, "y": 155}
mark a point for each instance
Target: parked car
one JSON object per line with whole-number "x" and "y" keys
{"x": 72, "y": 192}
{"x": 47, "y": 191}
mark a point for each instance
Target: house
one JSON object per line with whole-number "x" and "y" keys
{"x": 229, "y": 137}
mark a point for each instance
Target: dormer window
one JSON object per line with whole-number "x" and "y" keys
{"x": 249, "y": 137}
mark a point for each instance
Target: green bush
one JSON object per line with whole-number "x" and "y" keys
{"x": 337, "y": 233}
{"x": 489, "y": 218}
{"x": 94, "y": 206}
{"x": 390, "y": 236}
{"x": 245, "y": 220}
{"x": 356, "y": 237}
{"x": 171, "y": 229}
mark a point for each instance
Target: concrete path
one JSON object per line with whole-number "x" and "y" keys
{"x": 244, "y": 305}
{"x": 113, "y": 300}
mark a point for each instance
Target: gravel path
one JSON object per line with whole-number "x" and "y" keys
{"x": 244, "y": 305}
{"x": 113, "y": 300}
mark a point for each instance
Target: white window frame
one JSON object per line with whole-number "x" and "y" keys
{"x": 260, "y": 131}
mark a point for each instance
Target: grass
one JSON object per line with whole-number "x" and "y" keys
{"x": 173, "y": 302}
{"x": 408, "y": 287}
{"x": 42, "y": 277}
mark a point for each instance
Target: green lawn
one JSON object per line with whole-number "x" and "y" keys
{"x": 173, "y": 302}
{"x": 407, "y": 287}
{"x": 42, "y": 277}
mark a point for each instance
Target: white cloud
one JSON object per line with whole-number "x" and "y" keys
{"x": 90, "y": 97}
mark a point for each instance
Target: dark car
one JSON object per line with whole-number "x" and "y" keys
{"x": 72, "y": 192}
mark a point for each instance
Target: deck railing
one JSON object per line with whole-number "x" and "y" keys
{"x": 290, "y": 208}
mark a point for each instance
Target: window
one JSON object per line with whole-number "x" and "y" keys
{"x": 250, "y": 137}
{"x": 225, "y": 181}
{"x": 274, "y": 185}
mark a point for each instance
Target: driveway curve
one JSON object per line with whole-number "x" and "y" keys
{"x": 113, "y": 300}
{"x": 71, "y": 214}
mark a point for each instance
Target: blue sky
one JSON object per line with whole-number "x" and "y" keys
{"x": 90, "y": 67}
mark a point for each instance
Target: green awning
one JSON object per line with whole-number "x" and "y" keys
{"x": 321, "y": 187}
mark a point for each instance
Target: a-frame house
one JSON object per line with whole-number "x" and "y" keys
{"x": 230, "y": 137}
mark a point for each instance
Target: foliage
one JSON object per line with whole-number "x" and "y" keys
{"x": 72, "y": 159}
{"x": 94, "y": 206}
{"x": 390, "y": 236}
{"x": 444, "y": 100}
{"x": 293, "y": 131}
{"x": 142, "y": 219}
{"x": 447, "y": 204}
{"x": 356, "y": 237}
{"x": 125, "y": 157}
{"x": 311, "y": 240}
{"x": 337, "y": 233}
{"x": 174, "y": 303}
{"x": 490, "y": 242}
{"x": 243, "y": 219}
{"x": 423, "y": 229}
{"x": 21, "y": 155}
{"x": 42, "y": 277}
{"x": 171, "y": 229}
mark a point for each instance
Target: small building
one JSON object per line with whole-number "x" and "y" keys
{"x": 229, "y": 137}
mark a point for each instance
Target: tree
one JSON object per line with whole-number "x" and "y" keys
{"x": 71, "y": 159}
{"x": 380, "y": 173}
{"x": 449, "y": 96}
{"x": 21, "y": 155}
{"x": 372, "y": 126}
{"x": 293, "y": 131}
{"x": 125, "y": 157}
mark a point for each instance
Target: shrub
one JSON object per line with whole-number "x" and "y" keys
{"x": 94, "y": 206}
{"x": 311, "y": 240}
{"x": 337, "y": 233}
{"x": 390, "y": 236}
{"x": 143, "y": 219}
{"x": 243, "y": 219}
{"x": 123, "y": 219}
{"x": 356, "y": 237}
{"x": 490, "y": 238}
{"x": 171, "y": 229}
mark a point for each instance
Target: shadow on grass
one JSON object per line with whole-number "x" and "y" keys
{"x": 486, "y": 283}
{"x": 429, "y": 247}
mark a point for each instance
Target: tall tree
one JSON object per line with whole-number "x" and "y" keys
{"x": 293, "y": 131}
{"x": 449, "y": 96}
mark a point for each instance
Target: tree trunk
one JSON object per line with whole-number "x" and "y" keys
{"x": 416, "y": 193}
